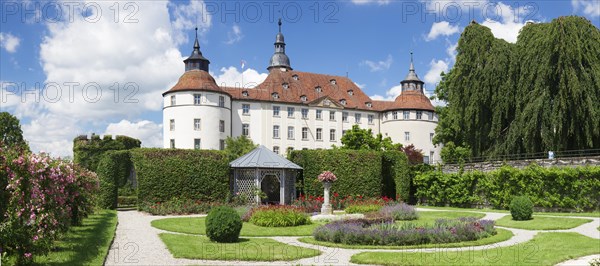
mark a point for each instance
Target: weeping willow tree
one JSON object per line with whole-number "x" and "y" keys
{"x": 540, "y": 94}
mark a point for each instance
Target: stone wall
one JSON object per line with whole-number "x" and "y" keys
{"x": 557, "y": 162}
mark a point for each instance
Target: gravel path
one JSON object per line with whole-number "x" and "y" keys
{"x": 137, "y": 243}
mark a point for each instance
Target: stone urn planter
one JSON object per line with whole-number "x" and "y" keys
{"x": 327, "y": 178}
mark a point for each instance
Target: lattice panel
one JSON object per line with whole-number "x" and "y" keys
{"x": 276, "y": 173}
{"x": 245, "y": 184}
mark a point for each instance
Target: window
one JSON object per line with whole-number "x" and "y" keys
{"x": 245, "y": 129}
{"x": 319, "y": 114}
{"x": 426, "y": 159}
{"x": 332, "y": 81}
{"x": 406, "y": 115}
{"x": 332, "y": 135}
{"x": 172, "y": 144}
{"x": 303, "y": 98}
{"x": 290, "y": 132}
{"x": 430, "y": 116}
{"x": 295, "y": 77}
{"x": 196, "y": 144}
{"x": 407, "y": 136}
{"x": 275, "y": 131}
{"x": 172, "y": 100}
{"x": 304, "y": 113}
{"x": 221, "y": 101}
{"x": 419, "y": 115}
{"x": 276, "y": 110}
{"x": 304, "y": 133}
{"x": 343, "y": 101}
{"x": 350, "y": 92}
{"x": 344, "y": 132}
{"x": 357, "y": 118}
{"x": 245, "y": 109}
{"x": 276, "y": 149}
{"x": 344, "y": 116}
{"x": 394, "y": 115}
{"x": 331, "y": 115}
{"x": 290, "y": 112}
{"x": 221, "y": 125}
{"x": 285, "y": 85}
{"x": 197, "y": 124}
{"x": 275, "y": 95}
{"x": 290, "y": 149}
{"x": 172, "y": 124}
{"x": 318, "y": 89}
{"x": 370, "y": 119}
{"x": 319, "y": 134}
{"x": 369, "y": 104}
{"x": 197, "y": 99}
{"x": 221, "y": 144}
{"x": 431, "y": 137}
{"x": 431, "y": 157}
{"x": 245, "y": 93}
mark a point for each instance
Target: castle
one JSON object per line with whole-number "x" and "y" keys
{"x": 291, "y": 109}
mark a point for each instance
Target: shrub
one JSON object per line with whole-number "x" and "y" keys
{"x": 363, "y": 208}
{"x": 357, "y": 232}
{"x": 400, "y": 212}
{"x": 177, "y": 206}
{"x": 278, "y": 216}
{"x": 521, "y": 208}
{"x": 113, "y": 170}
{"x": 397, "y": 181}
{"x": 191, "y": 175}
{"x": 223, "y": 225}
{"x": 127, "y": 201}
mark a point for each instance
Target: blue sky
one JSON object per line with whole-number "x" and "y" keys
{"x": 71, "y": 68}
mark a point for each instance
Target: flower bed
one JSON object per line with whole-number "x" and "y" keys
{"x": 400, "y": 212}
{"x": 277, "y": 216}
{"x": 313, "y": 204}
{"x": 358, "y": 232}
{"x": 363, "y": 208}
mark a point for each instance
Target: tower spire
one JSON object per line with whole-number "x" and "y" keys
{"x": 279, "y": 59}
{"x": 412, "y": 81}
{"x": 196, "y": 43}
{"x": 196, "y": 60}
{"x": 412, "y": 66}
{"x": 279, "y": 23}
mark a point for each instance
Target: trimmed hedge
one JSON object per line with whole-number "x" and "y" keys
{"x": 397, "y": 181}
{"x": 553, "y": 188}
{"x": 358, "y": 171}
{"x": 113, "y": 170}
{"x": 88, "y": 152}
{"x": 164, "y": 174}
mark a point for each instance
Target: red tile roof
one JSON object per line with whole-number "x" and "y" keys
{"x": 196, "y": 80}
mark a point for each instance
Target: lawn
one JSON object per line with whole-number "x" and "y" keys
{"x": 248, "y": 249}
{"x": 196, "y": 226}
{"x": 502, "y": 235}
{"x": 87, "y": 244}
{"x": 594, "y": 214}
{"x": 544, "y": 249}
{"x": 542, "y": 223}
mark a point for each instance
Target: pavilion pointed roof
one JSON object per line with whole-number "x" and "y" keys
{"x": 261, "y": 157}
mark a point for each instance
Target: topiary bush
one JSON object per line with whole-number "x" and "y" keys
{"x": 521, "y": 208}
{"x": 223, "y": 225}
{"x": 278, "y": 216}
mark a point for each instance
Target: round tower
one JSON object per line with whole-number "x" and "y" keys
{"x": 196, "y": 111}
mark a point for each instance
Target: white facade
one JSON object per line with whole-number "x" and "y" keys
{"x": 413, "y": 130}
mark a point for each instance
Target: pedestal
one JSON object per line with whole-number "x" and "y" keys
{"x": 326, "y": 209}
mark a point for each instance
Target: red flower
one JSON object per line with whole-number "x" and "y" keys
{"x": 335, "y": 194}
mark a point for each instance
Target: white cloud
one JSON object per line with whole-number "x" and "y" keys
{"x": 379, "y": 65}
{"x": 231, "y": 77}
{"x": 51, "y": 133}
{"x": 505, "y": 24}
{"x": 148, "y": 132}
{"x": 587, "y": 7}
{"x": 361, "y": 86}
{"x": 365, "y": 2}
{"x": 445, "y": 7}
{"x": 187, "y": 17}
{"x": 442, "y": 28}
{"x": 235, "y": 35}
{"x": 390, "y": 94}
{"x": 435, "y": 69}
{"x": 451, "y": 51}
{"x": 9, "y": 42}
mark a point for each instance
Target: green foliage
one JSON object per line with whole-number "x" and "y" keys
{"x": 538, "y": 94}
{"x": 453, "y": 154}
{"x": 113, "y": 170}
{"x": 88, "y": 152}
{"x": 363, "y": 139}
{"x": 414, "y": 155}
{"x": 521, "y": 208}
{"x": 177, "y": 206}
{"x": 279, "y": 216}
{"x": 363, "y": 208}
{"x": 236, "y": 147}
{"x": 223, "y": 225}
{"x": 397, "y": 181}
{"x": 561, "y": 188}
{"x": 358, "y": 171}
{"x": 191, "y": 175}
{"x": 11, "y": 135}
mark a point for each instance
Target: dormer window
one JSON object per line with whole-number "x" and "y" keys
{"x": 295, "y": 77}
{"x": 369, "y": 104}
{"x": 343, "y": 101}
{"x": 303, "y": 98}
{"x": 332, "y": 81}
{"x": 318, "y": 89}
{"x": 275, "y": 95}
{"x": 245, "y": 93}
{"x": 350, "y": 92}
{"x": 285, "y": 85}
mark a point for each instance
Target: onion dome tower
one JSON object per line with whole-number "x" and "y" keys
{"x": 196, "y": 112}
{"x": 279, "y": 59}
{"x": 412, "y": 81}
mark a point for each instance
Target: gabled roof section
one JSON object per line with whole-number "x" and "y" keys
{"x": 326, "y": 101}
{"x": 261, "y": 157}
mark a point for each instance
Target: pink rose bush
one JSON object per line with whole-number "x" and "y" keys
{"x": 42, "y": 197}
{"x": 327, "y": 176}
